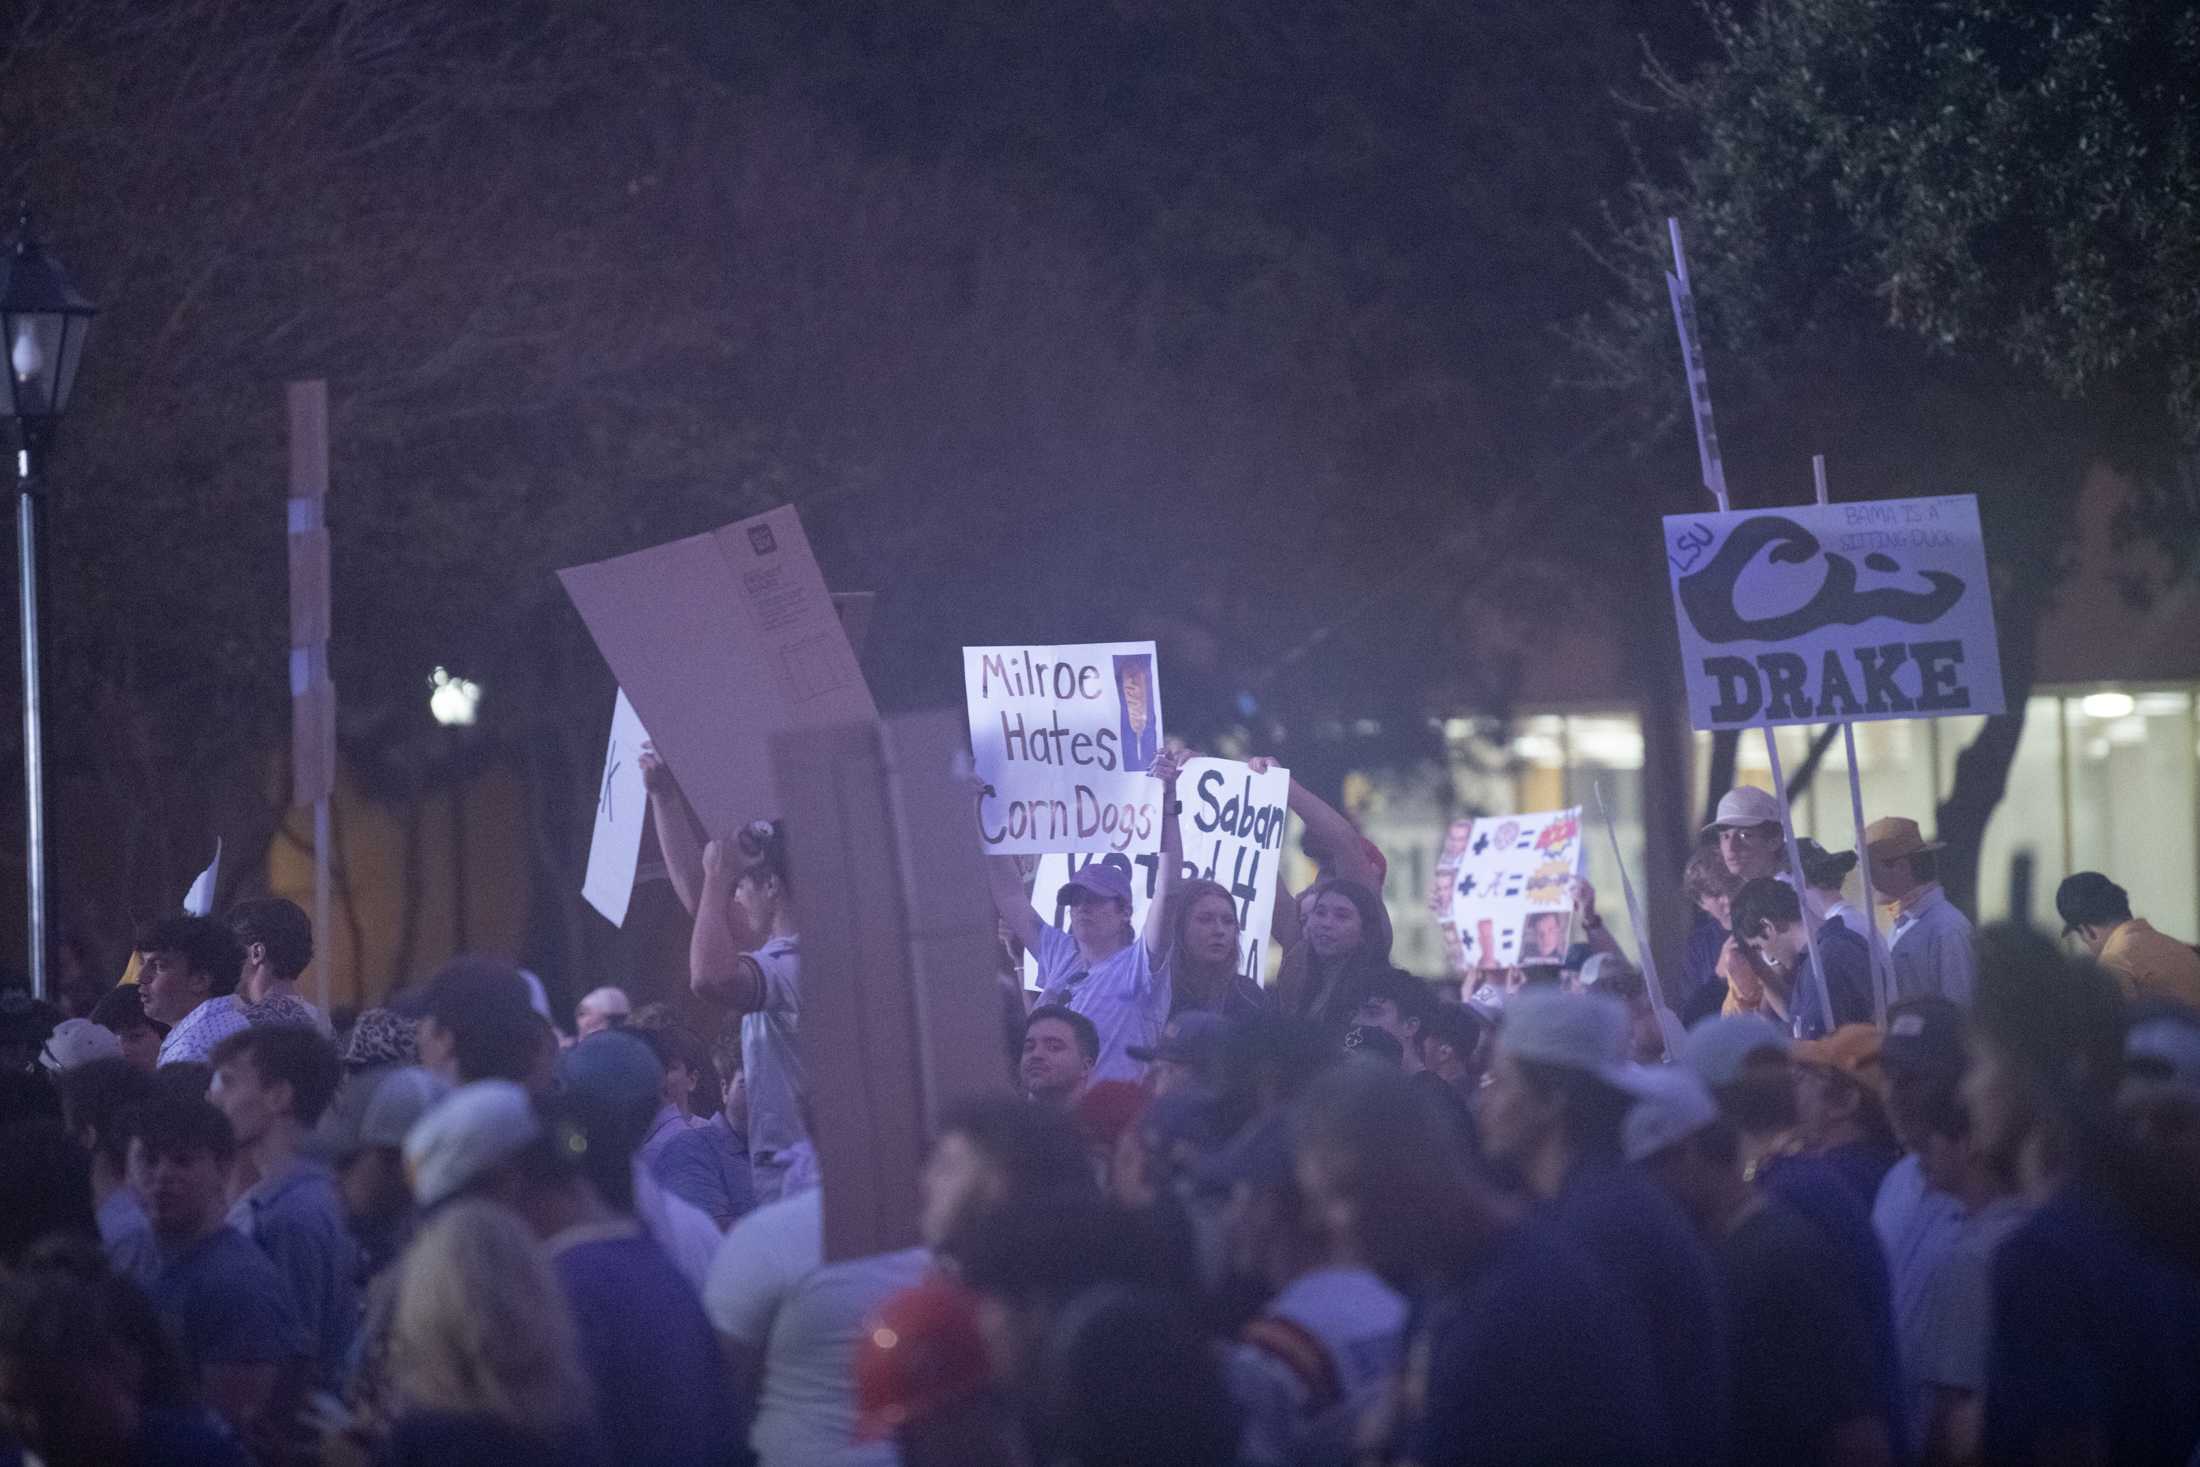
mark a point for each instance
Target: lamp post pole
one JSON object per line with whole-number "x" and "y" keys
{"x": 30, "y": 514}
{"x": 43, "y": 322}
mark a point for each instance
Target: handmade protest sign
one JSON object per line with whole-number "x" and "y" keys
{"x": 1822, "y": 613}
{"x": 722, "y": 640}
{"x": 1513, "y": 898}
{"x": 1232, "y": 824}
{"x": 1062, "y": 738}
{"x": 1448, "y": 857}
{"x": 622, "y": 809}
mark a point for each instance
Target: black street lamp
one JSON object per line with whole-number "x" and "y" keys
{"x": 43, "y": 323}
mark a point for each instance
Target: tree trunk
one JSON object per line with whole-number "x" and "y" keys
{"x": 2031, "y": 554}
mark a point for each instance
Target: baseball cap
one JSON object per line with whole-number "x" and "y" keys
{"x": 1611, "y": 973}
{"x": 1924, "y": 1037}
{"x": 1101, "y": 880}
{"x": 2165, "y": 1047}
{"x": 615, "y": 1070}
{"x": 77, "y": 1042}
{"x": 1573, "y": 1031}
{"x": 1744, "y": 806}
{"x": 922, "y": 1351}
{"x": 1459, "y": 1025}
{"x": 1672, "y": 1103}
{"x": 1191, "y": 1038}
{"x": 376, "y": 1107}
{"x": 1717, "y": 1047}
{"x": 1108, "y": 1108}
{"x": 2089, "y": 899}
{"x": 468, "y": 991}
{"x": 475, "y": 1129}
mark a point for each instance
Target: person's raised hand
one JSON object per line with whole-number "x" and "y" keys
{"x": 1261, "y": 763}
{"x": 1166, "y": 767}
{"x": 656, "y": 774}
{"x": 1738, "y": 966}
{"x": 1585, "y": 900}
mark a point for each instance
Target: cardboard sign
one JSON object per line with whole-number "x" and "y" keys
{"x": 1063, "y": 737}
{"x": 721, "y": 641}
{"x": 1831, "y": 613}
{"x": 902, "y": 1014}
{"x": 1232, "y": 826}
{"x": 1513, "y": 899}
{"x": 622, "y": 809}
{"x": 1441, "y": 888}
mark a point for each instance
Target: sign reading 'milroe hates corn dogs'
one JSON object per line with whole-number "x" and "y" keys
{"x": 1062, "y": 738}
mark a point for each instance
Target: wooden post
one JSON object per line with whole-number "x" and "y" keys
{"x": 902, "y": 1005}
{"x": 312, "y": 694}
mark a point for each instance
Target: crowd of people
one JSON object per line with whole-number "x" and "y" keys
{"x": 1854, "y": 1185}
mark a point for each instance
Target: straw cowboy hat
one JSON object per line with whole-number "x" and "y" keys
{"x": 1896, "y": 839}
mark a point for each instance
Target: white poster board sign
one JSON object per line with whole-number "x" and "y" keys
{"x": 1834, "y": 612}
{"x": 1232, "y": 823}
{"x": 622, "y": 809}
{"x": 1062, "y": 737}
{"x": 722, "y": 640}
{"x": 1512, "y": 893}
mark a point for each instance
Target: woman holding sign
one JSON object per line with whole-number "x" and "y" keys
{"x": 1101, "y": 967}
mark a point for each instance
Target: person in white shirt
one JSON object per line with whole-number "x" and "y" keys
{"x": 1329, "y": 1338}
{"x": 1102, "y": 967}
{"x": 1930, "y": 942}
{"x": 789, "y": 1322}
{"x": 189, "y": 968}
{"x": 745, "y": 955}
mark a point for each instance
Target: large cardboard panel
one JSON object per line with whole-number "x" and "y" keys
{"x": 901, "y": 1009}
{"x": 721, "y": 641}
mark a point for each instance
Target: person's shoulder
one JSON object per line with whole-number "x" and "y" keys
{"x": 796, "y": 1222}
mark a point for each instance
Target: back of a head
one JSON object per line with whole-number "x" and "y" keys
{"x": 1414, "y": 999}
{"x": 487, "y": 1008}
{"x": 104, "y": 1098}
{"x": 2059, "y": 1019}
{"x": 2089, "y": 899}
{"x": 1268, "y": 1059}
{"x": 207, "y": 946}
{"x": 1036, "y": 1148}
{"x": 47, "y": 1181}
{"x": 280, "y": 928}
{"x": 482, "y": 1326}
{"x": 1044, "y": 1250}
{"x": 63, "y": 1308}
{"x": 1129, "y": 1381}
{"x": 291, "y": 1055}
{"x": 1377, "y": 1141}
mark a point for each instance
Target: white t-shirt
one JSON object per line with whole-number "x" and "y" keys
{"x": 1123, "y": 994}
{"x": 770, "y": 1054}
{"x": 770, "y": 1288}
{"x": 1343, "y": 1326}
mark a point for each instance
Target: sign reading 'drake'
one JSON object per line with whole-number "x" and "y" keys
{"x": 1834, "y": 612}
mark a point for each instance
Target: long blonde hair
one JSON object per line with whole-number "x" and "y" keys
{"x": 482, "y": 1326}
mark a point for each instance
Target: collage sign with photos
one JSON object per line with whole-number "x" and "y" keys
{"x": 1512, "y": 898}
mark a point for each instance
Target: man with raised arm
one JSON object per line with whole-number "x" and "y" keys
{"x": 1101, "y": 967}
{"x": 745, "y": 955}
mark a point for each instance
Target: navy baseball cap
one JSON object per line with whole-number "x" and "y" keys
{"x": 1101, "y": 880}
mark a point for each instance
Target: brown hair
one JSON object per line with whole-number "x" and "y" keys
{"x": 1707, "y": 878}
{"x": 1197, "y": 986}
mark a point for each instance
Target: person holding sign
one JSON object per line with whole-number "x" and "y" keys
{"x": 1103, "y": 968}
{"x": 745, "y": 955}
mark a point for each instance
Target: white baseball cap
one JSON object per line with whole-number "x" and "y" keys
{"x": 1672, "y": 1103}
{"x": 1574, "y": 1031}
{"x": 475, "y": 1128}
{"x": 77, "y": 1042}
{"x": 1744, "y": 806}
{"x": 607, "y": 1000}
{"x": 1717, "y": 1046}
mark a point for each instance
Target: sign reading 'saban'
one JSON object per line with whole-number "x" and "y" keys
{"x": 1834, "y": 613}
